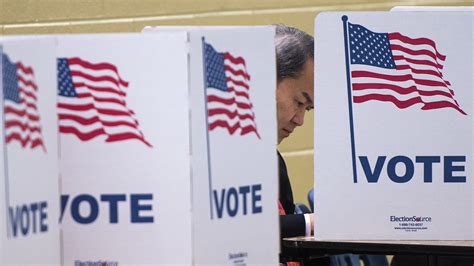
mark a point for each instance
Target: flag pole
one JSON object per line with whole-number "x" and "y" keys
{"x": 4, "y": 143}
{"x": 349, "y": 98}
{"x": 207, "y": 127}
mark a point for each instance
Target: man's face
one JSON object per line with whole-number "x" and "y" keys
{"x": 294, "y": 98}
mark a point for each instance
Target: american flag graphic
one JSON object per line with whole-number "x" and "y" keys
{"x": 392, "y": 67}
{"x": 22, "y": 119}
{"x": 92, "y": 104}
{"x": 227, "y": 86}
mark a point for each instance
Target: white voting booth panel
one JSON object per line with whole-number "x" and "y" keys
{"x": 123, "y": 111}
{"x": 234, "y": 166}
{"x": 29, "y": 189}
{"x": 393, "y": 139}
{"x": 143, "y": 181}
{"x": 235, "y": 212}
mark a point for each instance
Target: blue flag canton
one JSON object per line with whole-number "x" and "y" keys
{"x": 10, "y": 80}
{"x": 65, "y": 85}
{"x": 215, "y": 70}
{"x": 370, "y": 48}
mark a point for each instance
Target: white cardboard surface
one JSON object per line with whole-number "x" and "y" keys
{"x": 364, "y": 210}
{"x": 29, "y": 179}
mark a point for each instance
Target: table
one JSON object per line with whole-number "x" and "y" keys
{"x": 308, "y": 248}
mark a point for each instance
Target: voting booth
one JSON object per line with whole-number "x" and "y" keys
{"x": 241, "y": 223}
{"x": 145, "y": 148}
{"x": 29, "y": 181}
{"x": 234, "y": 186}
{"x": 124, "y": 149}
{"x": 393, "y": 126}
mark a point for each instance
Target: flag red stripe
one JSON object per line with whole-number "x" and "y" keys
{"x": 418, "y": 41}
{"x": 236, "y": 60}
{"x": 37, "y": 142}
{"x": 90, "y": 106}
{"x": 114, "y": 112}
{"x": 238, "y": 93}
{"x": 417, "y": 61}
{"x": 232, "y": 129}
{"x": 23, "y": 126}
{"x": 82, "y": 136}
{"x": 98, "y": 66}
{"x": 435, "y": 93}
{"x": 28, "y": 83}
{"x": 442, "y": 104}
{"x": 99, "y": 89}
{"x": 30, "y": 105}
{"x": 388, "y": 98}
{"x": 231, "y": 115}
{"x": 407, "y": 77}
{"x": 81, "y": 107}
{"x": 28, "y": 94}
{"x": 428, "y": 82}
{"x": 404, "y": 104}
{"x": 100, "y": 99}
{"x": 79, "y": 119}
{"x": 94, "y": 78}
{"x": 414, "y": 52}
{"x": 126, "y": 136}
{"x": 249, "y": 129}
{"x": 421, "y": 71}
{"x": 89, "y": 121}
{"x": 22, "y": 113}
{"x": 237, "y": 82}
{"x": 104, "y": 111}
{"x": 398, "y": 89}
{"x": 120, "y": 123}
{"x": 23, "y": 141}
{"x": 368, "y": 74}
{"x": 239, "y": 72}
{"x": 24, "y": 69}
{"x": 213, "y": 98}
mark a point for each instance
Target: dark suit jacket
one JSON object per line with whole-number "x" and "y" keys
{"x": 290, "y": 224}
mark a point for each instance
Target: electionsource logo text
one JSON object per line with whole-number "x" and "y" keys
{"x": 95, "y": 263}
{"x": 410, "y": 218}
{"x": 410, "y": 223}
{"x": 238, "y": 259}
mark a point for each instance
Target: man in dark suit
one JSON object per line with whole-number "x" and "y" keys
{"x": 295, "y": 91}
